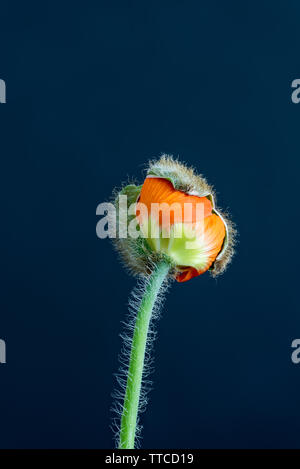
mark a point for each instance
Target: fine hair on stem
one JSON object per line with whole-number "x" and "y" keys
{"x": 137, "y": 296}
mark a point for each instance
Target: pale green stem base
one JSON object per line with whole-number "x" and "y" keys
{"x": 137, "y": 357}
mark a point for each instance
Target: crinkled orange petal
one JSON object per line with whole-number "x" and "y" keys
{"x": 159, "y": 190}
{"x": 187, "y": 274}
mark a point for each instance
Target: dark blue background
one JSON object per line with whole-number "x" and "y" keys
{"x": 95, "y": 89}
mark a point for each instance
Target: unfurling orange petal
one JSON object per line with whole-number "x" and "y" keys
{"x": 159, "y": 190}
{"x": 214, "y": 234}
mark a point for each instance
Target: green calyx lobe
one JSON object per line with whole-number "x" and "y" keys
{"x": 132, "y": 192}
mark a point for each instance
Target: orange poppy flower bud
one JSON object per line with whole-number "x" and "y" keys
{"x": 177, "y": 219}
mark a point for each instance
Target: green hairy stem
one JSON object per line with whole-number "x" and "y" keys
{"x": 137, "y": 356}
